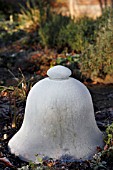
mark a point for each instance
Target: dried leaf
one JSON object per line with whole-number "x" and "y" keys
{"x": 50, "y": 164}
{"x": 4, "y": 93}
{"x": 105, "y": 147}
{"x": 6, "y": 162}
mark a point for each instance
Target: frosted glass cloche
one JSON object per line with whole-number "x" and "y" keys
{"x": 59, "y": 120}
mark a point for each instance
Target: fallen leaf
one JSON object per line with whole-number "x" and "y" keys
{"x": 6, "y": 162}
{"x": 105, "y": 147}
{"x": 50, "y": 164}
{"x": 4, "y": 94}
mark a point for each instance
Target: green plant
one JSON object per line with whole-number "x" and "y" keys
{"x": 38, "y": 165}
{"x": 10, "y": 32}
{"x": 55, "y": 30}
{"x": 34, "y": 14}
{"x": 97, "y": 163}
{"x": 29, "y": 18}
{"x": 44, "y": 7}
{"x": 77, "y": 35}
{"x": 97, "y": 59}
{"x": 61, "y": 32}
{"x": 49, "y": 30}
{"x": 109, "y": 135}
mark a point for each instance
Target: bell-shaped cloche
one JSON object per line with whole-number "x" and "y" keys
{"x": 59, "y": 120}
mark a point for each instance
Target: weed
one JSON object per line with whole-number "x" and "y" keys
{"x": 16, "y": 93}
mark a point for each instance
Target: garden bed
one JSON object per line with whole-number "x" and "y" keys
{"x": 12, "y": 105}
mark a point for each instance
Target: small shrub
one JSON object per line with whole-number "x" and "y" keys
{"x": 49, "y": 31}
{"x": 77, "y": 35}
{"x": 61, "y": 32}
{"x": 97, "y": 59}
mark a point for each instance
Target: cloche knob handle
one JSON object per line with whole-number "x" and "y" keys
{"x": 59, "y": 72}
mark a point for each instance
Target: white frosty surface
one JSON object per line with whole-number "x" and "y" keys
{"x": 59, "y": 72}
{"x": 59, "y": 120}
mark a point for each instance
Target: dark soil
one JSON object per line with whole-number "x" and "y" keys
{"x": 102, "y": 96}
